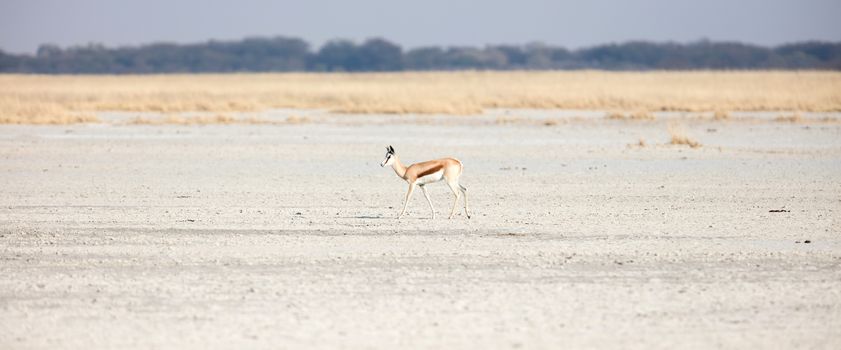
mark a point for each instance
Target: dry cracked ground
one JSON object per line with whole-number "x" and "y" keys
{"x": 285, "y": 236}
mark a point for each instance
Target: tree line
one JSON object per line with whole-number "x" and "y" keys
{"x": 283, "y": 54}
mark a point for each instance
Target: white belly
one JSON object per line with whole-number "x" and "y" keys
{"x": 434, "y": 177}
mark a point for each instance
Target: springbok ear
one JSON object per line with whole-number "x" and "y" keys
{"x": 390, "y": 149}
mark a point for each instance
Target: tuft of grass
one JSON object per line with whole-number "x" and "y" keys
{"x": 635, "y": 116}
{"x": 507, "y": 120}
{"x": 294, "y": 119}
{"x": 219, "y": 119}
{"x": 55, "y": 119}
{"x": 721, "y": 115}
{"x": 679, "y": 137}
{"x": 640, "y": 144}
{"x": 16, "y": 112}
{"x": 615, "y": 116}
{"x": 830, "y": 120}
{"x": 642, "y": 115}
{"x": 790, "y": 118}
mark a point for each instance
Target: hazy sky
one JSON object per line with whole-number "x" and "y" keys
{"x": 24, "y": 24}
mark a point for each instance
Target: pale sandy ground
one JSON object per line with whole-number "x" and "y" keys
{"x": 284, "y": 236}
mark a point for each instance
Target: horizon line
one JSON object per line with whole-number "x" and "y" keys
{"x": 408, "y": 48}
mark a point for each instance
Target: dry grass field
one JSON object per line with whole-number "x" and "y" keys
{"x": 30, "y": 99}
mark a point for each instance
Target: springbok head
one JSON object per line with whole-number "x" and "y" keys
{"x": 389, "y": 156}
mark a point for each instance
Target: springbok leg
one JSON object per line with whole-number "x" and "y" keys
{"x": 425, "y": 194}
{"x": 408, "y": 197}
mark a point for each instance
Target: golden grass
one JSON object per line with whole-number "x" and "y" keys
{"x": 507, "y": 120}
{"x": 679, "y": 137}
{"x": 55, "y": 119}
{"x": 294, "y": 119}
{"x": 791, "y": 118}
{"x": 183, "y": 120}
{"x": 457, "y": 93}
{"x": 830, "y": 120}
{"x": 211, "y": 120}
{"x": 640, "y": 144}
{"x": 797, "y": 118}
{"x": 635, "y": 116}
{"x": 721, "y": 115}
{"x": 42, "y": 113}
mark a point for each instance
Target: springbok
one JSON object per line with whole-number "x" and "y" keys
{"x": 424, "y": 173}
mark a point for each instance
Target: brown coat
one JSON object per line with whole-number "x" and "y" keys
{"x": 448, "y": 168}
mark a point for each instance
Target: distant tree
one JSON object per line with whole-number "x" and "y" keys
{"x": 291, "y": 54}
{"x": 338, "y": 55}
{"x": 425, "y": 58}
{"x": 372, "y": 55}
{"x": 473, "y": 58}
{"x": 48, "y": 50}
{"x": 539, "y": 56}
{"x": 515, "y": 56}
{"x": 632, "y": 55}
{"x": 811, "y": 54}
{"x": 9, "y": 63}
{"x": 259, "y": 54}
{"x": 380, "y": 55}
